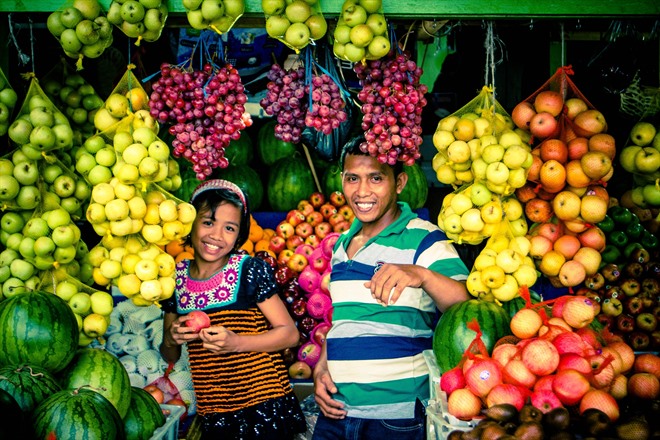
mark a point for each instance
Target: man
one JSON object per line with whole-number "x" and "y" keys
{"x": 390, "y": 272}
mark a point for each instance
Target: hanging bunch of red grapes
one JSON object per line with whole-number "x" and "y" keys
{"x": 392, "y": 102}
{"x": 288, "y": 97}
{"x": 205, "y": 109}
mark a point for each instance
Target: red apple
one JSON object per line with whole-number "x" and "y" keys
{"x": 309, "y": 353}
{"x": 570, "y": 386}
{"x": 198, "y": 320}
{"x": 647, "y": 363}
{"x": 544, "y": 383}
{"x": 318, "y": 304}
{"x": 505, "y": 393}
{"x": 575, "y": 106}
{"x": 644, "y": 386}
{"x": 318, "y": 261}
{"x": 602, "y": 371}
{"x": 305, "y": 207}
{"x": 297, "y": 262}
{"x": 337, "y": 199}
{"x": 341, "y": 227}
{"x": 328, "y": 244}
{"x": 452, "y": 379}
{"x": 574, "y": 361}
{"x": 503, "y": 353}
{"x": 463, "y": 404}
{"x": 179, "y": 402}
{"x": 589, "y": 122}
{"x": 304, "y": 229}
{"x": 545, "y": 400}
{"x": 522, "y": 114}
{"x": 323, "y": 229}
{"x": 327, "y": 209}
{"x": 540, "y": 357}
{"x": 284, "y": 257}
{"x": 320, "y": 332}
{"x": 285, "y": 229}
{"x": 602, "y": 400}
{"x": 317, "y": 199}
{"x": 277, "y": 244}
{"x": 295, "y": 217}
{"x": 300, "y": 370}
{"x": 294, "y": 241}
{"x": 543, "y": 125}
{"x": 549, "y": 101}
{"x": 309, "y": 279}
{"x": 325, "y": 282}
{"x": 347, "y": 212}
{"x": 313, "y": 240}
{"x": 335, "y": 219}
{"x": 516, "y": 372}
{"x": 283, "y": 275}
{"x": 314, "y": 218}
{"x": 569, "y": 342}
{"x": 481, "y": 377}
{"x": 619, "y": 386}
{"x": 156, "y": 392}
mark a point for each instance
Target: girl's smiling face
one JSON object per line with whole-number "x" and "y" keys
{"x": 214, "y": 236}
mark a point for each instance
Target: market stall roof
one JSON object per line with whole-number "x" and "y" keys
{"x": 442, "y": 9}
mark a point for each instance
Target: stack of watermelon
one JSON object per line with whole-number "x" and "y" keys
{"x": 50, "y": 388}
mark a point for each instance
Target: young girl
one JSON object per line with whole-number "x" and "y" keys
{"x": 240, "y": 380}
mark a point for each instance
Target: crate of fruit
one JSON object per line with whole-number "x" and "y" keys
{"x": 170, "y": 430}
{"x": 439, "y": 423}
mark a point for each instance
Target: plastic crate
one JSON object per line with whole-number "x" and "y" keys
{"x": 439, "y": 423}
{"x": 170, "y": 430}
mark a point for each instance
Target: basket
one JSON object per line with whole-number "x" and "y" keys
{"x": 170, "y": 430}
{"x": 439, "y": 423}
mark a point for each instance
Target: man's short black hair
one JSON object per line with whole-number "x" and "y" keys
{"x": 352, "y": 146}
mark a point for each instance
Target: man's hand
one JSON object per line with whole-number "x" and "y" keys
{"x": 324, "y": 387}
{"x": 388, "y": 282}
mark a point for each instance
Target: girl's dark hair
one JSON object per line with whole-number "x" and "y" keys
{"x": 212, "y": 198}
{"x": 352, "y": 146}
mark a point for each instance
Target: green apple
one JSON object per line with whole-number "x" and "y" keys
{"x": 82, "y": 191}
{"x": 297, "y": 35}
{"x": 44, "y": 246}
{"x": 80, "y": 303}
{"x": 154, "y": 19}
{"x": 494, "y": 153}
{"x": 8, "y": 97}
{"x": 94, "y": 143}
{"x": 54, "y": 24}
{"x": 65, "y": 290}
{"x": 36, "y": 227}
{"x": 14, "y": 241}
{"x": 114, "y": 14}
{"x": 43, "y": 137}
{"x": 133, "y": 30}
{"x": 212, "y": 9}
{"x": 26, "y": 173}
{"x": 497, "y": 173}
{"x": 353, "y": 53}
{"x": 64, "y": 236}
{"x": 342, "y": 33}
{"x": 354, "y": 15}
{"x": 379, "y": 46}
{"x": 99, "y": 174}
{"x": 12, "y": 222}
{"x": 58, "y": 217}
{"x": 70, "y": 42}
{"x": 64, "y": 255}
{"x": 191, "y": 5}
{"x": 89, "y": 9}
{"x": 298, "y": 11}
{"x": 371, "y": 6}
{"x": 94, "y": 325}
{"x": 84, "y": 163}
{"x": 150, "y": 4}
{"x": 234, "y": 8}
{"x": 64, "y": 185}
{"x": 19, "y": 131}
{"x": 87, "y": 32}
{"x": 480, "y": 194}
{"x": 117, "y": 104}
{"x": 26, "y": 247}
{"x": 132, "y": 12}
{"x": 196, "y": 20}
{"x": 70, "y": 17}
{"x": 277, "y": 25}
{"x": 6, "y": 167}
{"x": 5, "y": 273}
{"x": 12, "y": 287}
{"x": 273, "y": 7}
{"x": 627, "y": 158}
{"x": 377, "y": 23}
{"x": 9, "y": 187}
{"x": 63, "y": 135}
{"x": 72, "y": 205}
{"x": 647, "y": 160}
{"x": 102, "y": 302}
{"x": 159, "y": 151}
{"x": 642, "y": 133}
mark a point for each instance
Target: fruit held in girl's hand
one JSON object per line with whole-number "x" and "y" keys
{"x": 197, "y": 320}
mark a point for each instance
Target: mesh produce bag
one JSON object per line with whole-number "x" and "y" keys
{"x": 128, "y": 96}
{"x": 39, "y": 123}
{"x": 296, "y": 26}
{"x": 20, "y": 181}
{"x": 502, "y": 267}
{"x": 218, "y": 19}
{"x": 64, "y": 187}
{"x": 81, "y": 32}
{"x": 478, "y": 143}
{"x": 139, "y": 21}
{"x": 361, "y": 44}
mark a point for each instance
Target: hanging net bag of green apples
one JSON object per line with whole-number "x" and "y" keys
{"x": 295, "y": 23}
{"x": 361, "y": 32}
{"x": 8, "y": 98}
{"x": 81, "y": 29}
{"x": 216, "y": 15}
{"x": 142, "y": 20}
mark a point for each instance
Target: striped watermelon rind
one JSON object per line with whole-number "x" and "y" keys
{"x": 416, "y": 190}
{"x": 452, "y": 336}
{"x": 38, "y": 328}
{"x": 100, "y": 371}
{"x": 28, "y": 385}
{"x": 77, "y": 414}
{"x": 144, "y": 415}
{"x": 290, "y": 180}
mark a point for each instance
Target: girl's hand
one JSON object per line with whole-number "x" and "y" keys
{"x": 181, "y": 333}
{"x": 219, "y": 340}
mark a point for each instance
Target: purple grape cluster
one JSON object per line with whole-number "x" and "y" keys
{"x": 286, "y": 99}
{"x": 327, "y": 111}
{"x": 393, "y": 99}
{"x": 206, "y": 111}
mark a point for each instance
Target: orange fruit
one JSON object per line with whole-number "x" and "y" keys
{"x": 262, "y": 245}
{"x": 552, "y": 175}
{"x": 248, "y": 246}
{"x": 256, "y": 232}
{"x": 184, "y": 256}
{"x": 174, "y": 247}
{"x": 268, "y": 233}
{"x": 575, "y": 175}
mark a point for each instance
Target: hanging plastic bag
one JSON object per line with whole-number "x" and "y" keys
{"x": 216, "y": 15}
{"x": 168, "y": 388}
{"x": 357, "y": 38}
{"x": 128, "y": 96}
{"x": 329, "y": 141}
{"x": 137, "y": 20}
{"x": 40, "y": 126}
{"x": 502, "y": 267}
{"x": 8, "y": 98}
{"x": 82, "y": 29}
{"x": 296, "y": 23}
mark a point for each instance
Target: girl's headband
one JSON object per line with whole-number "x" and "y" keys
{"x": 219, "y": 184}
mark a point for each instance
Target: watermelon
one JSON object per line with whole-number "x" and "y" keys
{"x": 331, "y": 180}
{"x": 143, "y": 417}
{"x": 290, "y": 180}
{"x": 77, "y": 414}
{"x": 102, "y": 372}
{"x": 12, "y": 417}
{"x": 269, "y": 148}
{"x": 452, "y": 337}
{"x": 28, "y": 385}
{"x": 248, "y": 180}
{"x": 240, "y": 151}
{"x": 417, "y": 189}
{"x": 37, "y": 328}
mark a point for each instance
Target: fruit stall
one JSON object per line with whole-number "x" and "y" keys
{"x": 530, "y": 133}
